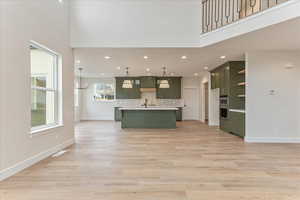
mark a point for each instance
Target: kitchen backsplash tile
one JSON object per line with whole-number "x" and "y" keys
{"x": 158, "y": 102}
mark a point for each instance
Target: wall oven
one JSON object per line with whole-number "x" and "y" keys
{"x": 224, "y": 107}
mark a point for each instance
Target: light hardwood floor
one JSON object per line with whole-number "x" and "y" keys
{"x": 194, "y": 162}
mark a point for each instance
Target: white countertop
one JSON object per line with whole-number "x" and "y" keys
{"x": 148, "y": 108}
{"x": 237, "y": 110}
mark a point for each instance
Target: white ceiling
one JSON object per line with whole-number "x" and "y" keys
{"x": 283, "y": 36}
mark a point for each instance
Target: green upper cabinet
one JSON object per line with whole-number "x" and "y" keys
{"x": 224, "y": 80}
{"x": 215, "y": 78}
{"x": 174, "y": 92}
{"x": 128, "y": 93}
{"x": 148, "y": 82}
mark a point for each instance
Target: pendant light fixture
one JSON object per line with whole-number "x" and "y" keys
{"x": 164, "y": 83}
{"x": 80, "y": 87}
{"x": 127, "y": 84}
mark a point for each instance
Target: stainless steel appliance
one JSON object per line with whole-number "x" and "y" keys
{"x": 224, "y": 107}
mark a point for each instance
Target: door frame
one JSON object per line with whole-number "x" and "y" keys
{"x": 203, "y": 101}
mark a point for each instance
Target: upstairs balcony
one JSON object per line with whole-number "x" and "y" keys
{"x": 219, "y": 13}
{"x": 226, "y": 19}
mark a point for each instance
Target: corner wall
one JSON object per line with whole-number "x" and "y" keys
{"x": 273, "y": 116}
{"x": 46, "y": 22}
{"x": 1, "y": 82}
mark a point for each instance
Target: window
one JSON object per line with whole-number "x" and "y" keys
{"x": 104, "y": 92}
{"x": 44, "y": 88}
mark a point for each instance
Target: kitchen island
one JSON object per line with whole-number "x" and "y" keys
{"x": 149, "y": 117}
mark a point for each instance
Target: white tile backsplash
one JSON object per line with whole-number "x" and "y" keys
{"x": 157, "y": 102}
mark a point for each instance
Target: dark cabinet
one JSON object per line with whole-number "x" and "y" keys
{"x": 148, "y": 82}
{"x": 174, "y": 92}
{"x": 118, "y": 114}
{"x": 224, "y": 80}
{"x": 179, "y": 114}
{"x": 128, "y": 93}
{"x": 220, "y": 78}
{"x": 237, "y": 123}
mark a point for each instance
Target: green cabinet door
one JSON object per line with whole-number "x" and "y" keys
{"x": 148, "y": 82}
{"x": 179, "y": 114}
{"x": 128, "y": 93}
{"x": 118, "y": 114}
{"x": 237, "y": 123}
{"x": 224, "y": 79}
{"x": 215, "y": 78}
{"x": 174, "y": 92}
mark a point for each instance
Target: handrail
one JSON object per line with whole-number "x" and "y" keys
{"x": 219, "y": 13}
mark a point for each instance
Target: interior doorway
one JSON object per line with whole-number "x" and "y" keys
{"x": 191, "y": 99}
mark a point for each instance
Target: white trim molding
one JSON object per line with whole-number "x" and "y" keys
{"x": 6, "y": 173}
{"x": 271, "y": 140}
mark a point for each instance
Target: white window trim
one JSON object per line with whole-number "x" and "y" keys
{"x": 57, "y": 90}
{"x": 104, "y": 101}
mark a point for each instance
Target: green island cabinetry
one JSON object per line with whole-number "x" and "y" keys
{"x": 118, "y": 114}
{"x": 128, "y": 93}
{"x": 174, "y": 92}
{"x": 148, "y": 118}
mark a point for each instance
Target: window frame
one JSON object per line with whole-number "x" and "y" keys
{"x": 56, "y": 89}
{"x": 95, "y": 88}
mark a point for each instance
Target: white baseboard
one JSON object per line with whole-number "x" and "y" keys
{"x": 6, "y": 173}
{"x": 271, "y": 140}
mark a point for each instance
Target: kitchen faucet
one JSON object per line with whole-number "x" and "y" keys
{"x": 145, "y": 103}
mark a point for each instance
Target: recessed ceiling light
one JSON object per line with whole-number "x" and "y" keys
{"x": 60, "y": 1}
{"x": 148, "y": 69}
{"x": 183, "y": 57}
{"x": 77, "y": 61}
{"x": 205, "y": 68}
{"x": 119, "y": 68}
{"x": 196, "y": 74}
{"x": 107, "y": 57}
{"x": 223, "y": 57}
{"x": 289, "y": 66}
{"x": 146, "y": 57}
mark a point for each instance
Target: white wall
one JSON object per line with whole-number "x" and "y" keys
{"x": 273, "y": 118}
{"x": 45, "y": 22}
{"x": 2, "y": 86}
{"x": 130, "y": 23}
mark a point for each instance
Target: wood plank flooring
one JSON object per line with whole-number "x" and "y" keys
{"x": 193, "y": 162}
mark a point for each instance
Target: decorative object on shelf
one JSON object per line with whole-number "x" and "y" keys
{"x": 242, "y": 84}
{"x": 80, "y": 87}
{"x": 128, "y": 84}
{"x": 164, "y": 83}
{"x": 242, "y": 71}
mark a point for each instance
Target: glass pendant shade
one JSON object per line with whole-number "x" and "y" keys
{"x": 127, "y": 84}
{"x": 164, "y": 84}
